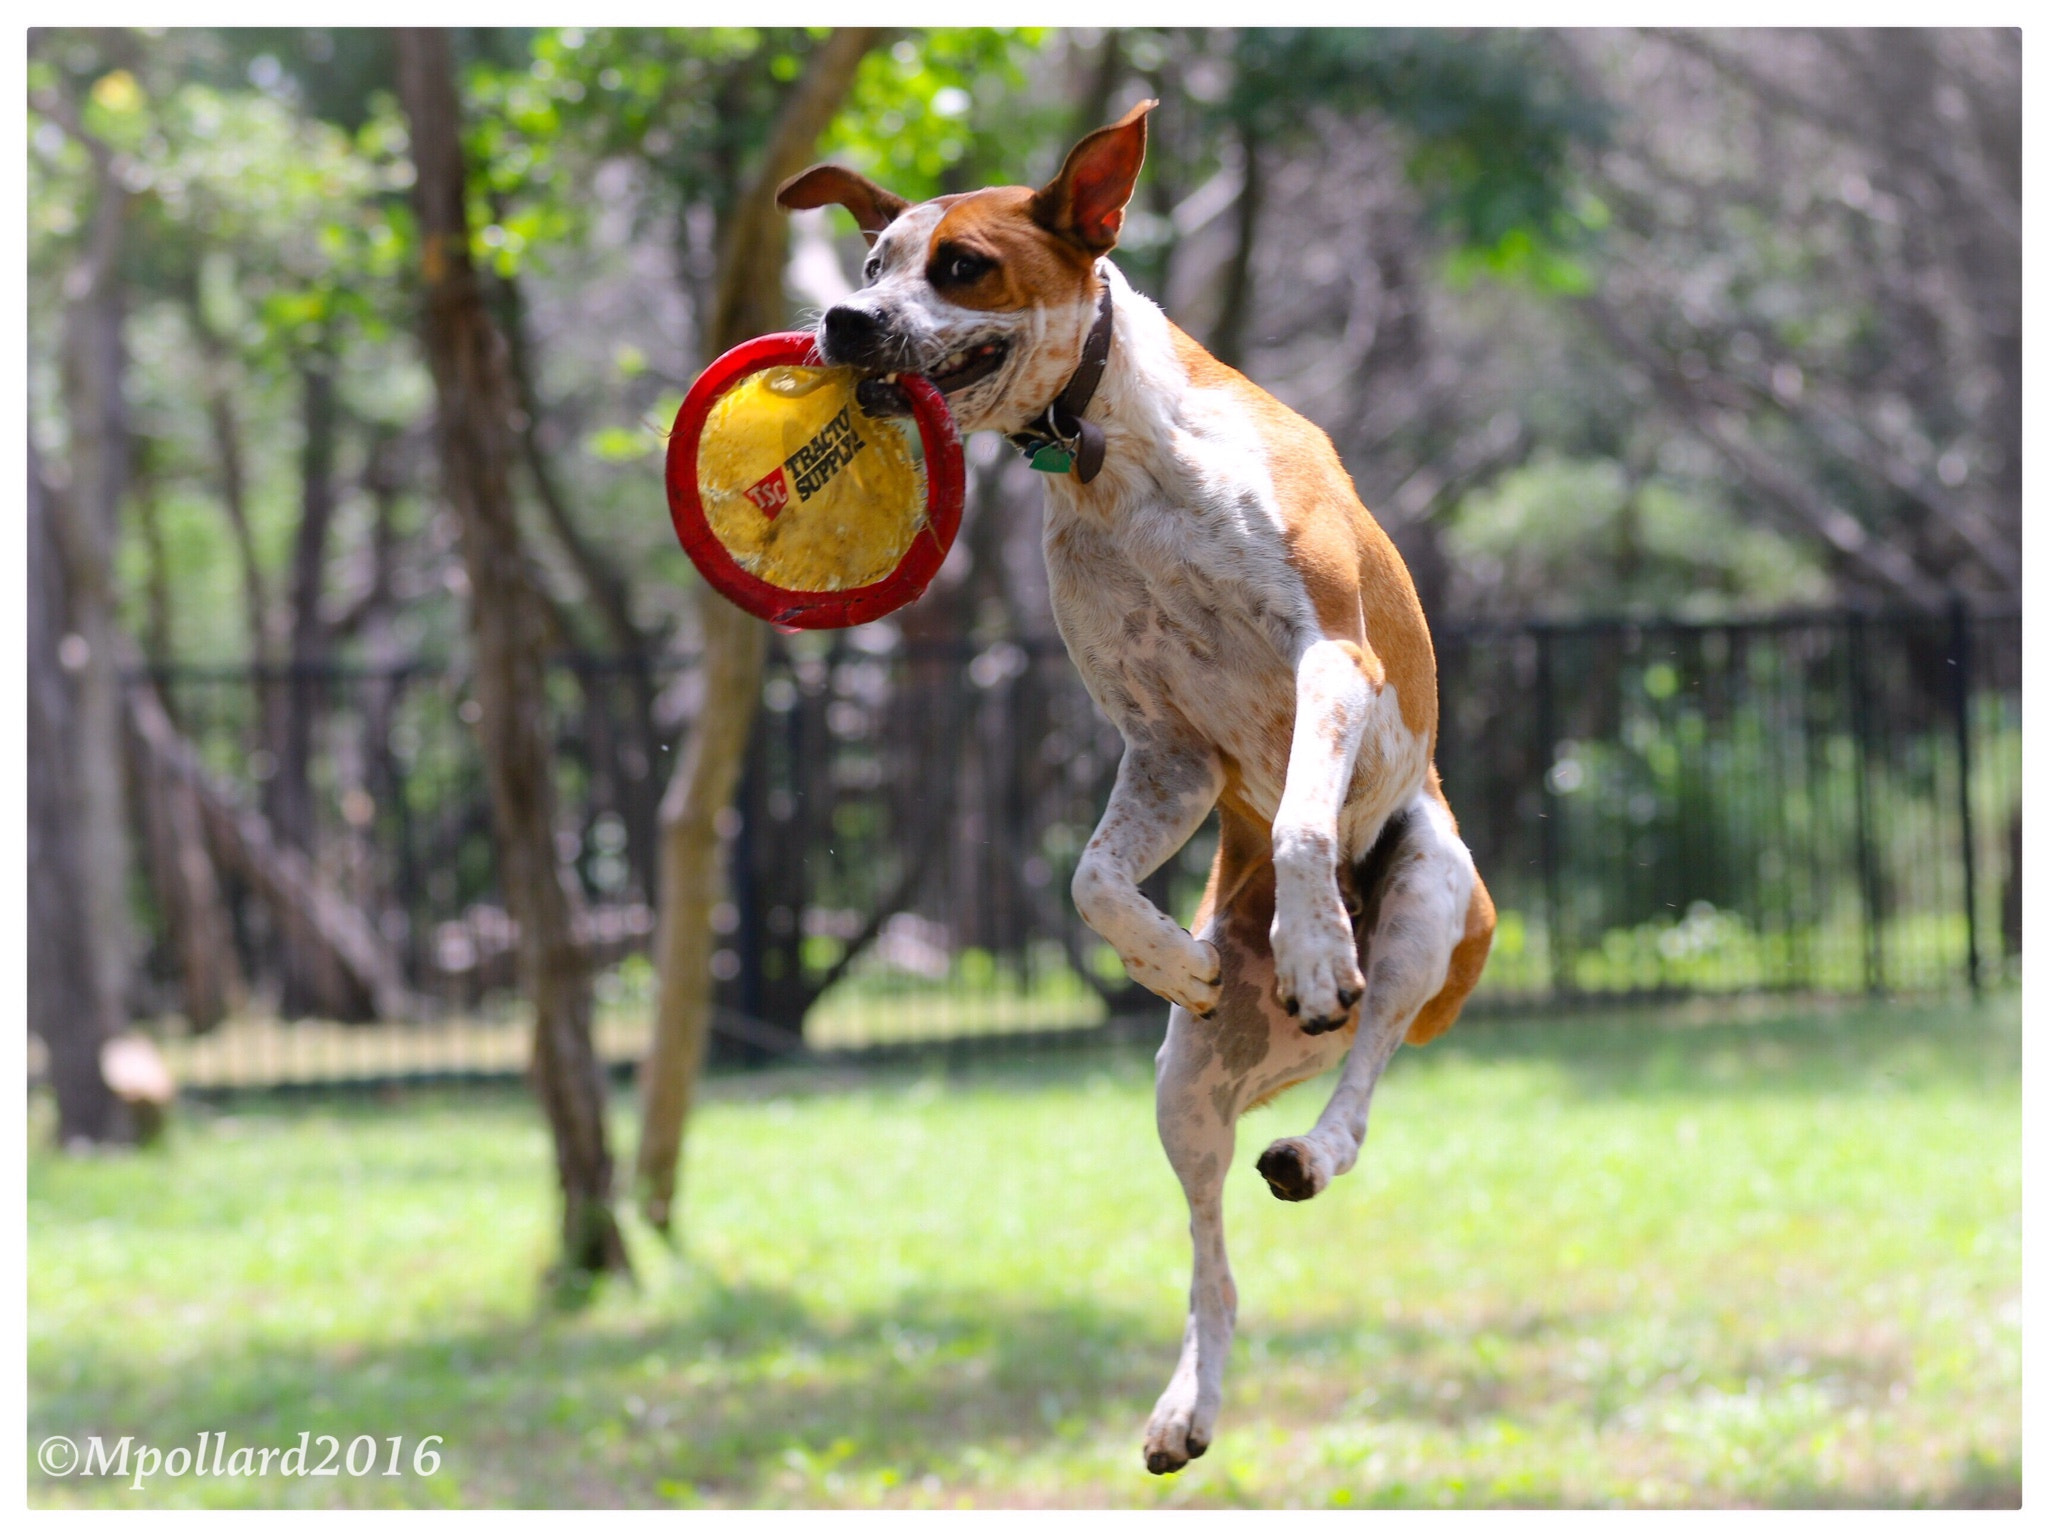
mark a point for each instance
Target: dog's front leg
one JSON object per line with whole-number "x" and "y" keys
{"x": 1315, "y": 958}
{"x": 1163, "y": 790}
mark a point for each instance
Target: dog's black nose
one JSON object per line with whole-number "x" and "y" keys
{"x": 851, "y": 335}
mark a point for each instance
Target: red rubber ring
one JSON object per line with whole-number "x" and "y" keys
{"x": 945, "y": 477}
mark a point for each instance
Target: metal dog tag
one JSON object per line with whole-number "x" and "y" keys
{"x": 1052, "y": 459}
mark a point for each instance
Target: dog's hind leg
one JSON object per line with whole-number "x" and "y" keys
{"x": 1210, "y": 1071}
{"x": 1427, "y": 926}
{"x": 1197, "y": 1126}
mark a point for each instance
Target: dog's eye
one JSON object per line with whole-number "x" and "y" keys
{"x": 956, "y": 268}
{"x": 873, "y": 266}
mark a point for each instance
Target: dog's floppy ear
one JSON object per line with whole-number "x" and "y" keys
{"x": 873, "y": 208}
{"x": 1085, "y": 202}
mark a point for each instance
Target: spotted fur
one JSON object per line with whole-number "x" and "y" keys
{"x": 1255, "y": 637}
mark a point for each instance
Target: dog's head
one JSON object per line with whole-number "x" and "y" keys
{"x": 988, "y": 294}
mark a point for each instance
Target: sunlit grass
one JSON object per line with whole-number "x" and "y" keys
{"x": 1611, "y": 1261}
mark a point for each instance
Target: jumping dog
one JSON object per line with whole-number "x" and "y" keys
{"x": 1254, "y": 635}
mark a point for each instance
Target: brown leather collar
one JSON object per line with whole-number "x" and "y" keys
{"x": 1061, "y": 437}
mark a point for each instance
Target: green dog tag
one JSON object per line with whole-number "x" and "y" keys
{"x": 1052, "y": 459}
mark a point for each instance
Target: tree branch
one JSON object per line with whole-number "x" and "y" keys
{"x": 758, "y": 233}
{"x": 1809, "y": 514}
{"x": 606, "y": 587}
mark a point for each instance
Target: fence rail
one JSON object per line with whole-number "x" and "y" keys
{"x": 1814, "y": 802}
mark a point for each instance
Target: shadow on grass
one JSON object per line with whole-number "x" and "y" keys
{"x": 616, "y": 1407}
{"x": 750, "y": 1395}
{"x": 1980, "y": 1482}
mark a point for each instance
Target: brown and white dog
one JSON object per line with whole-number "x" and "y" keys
{"x": 1253, "y": 634}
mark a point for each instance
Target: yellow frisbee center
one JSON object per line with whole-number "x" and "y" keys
{"x": 804, "y": 489}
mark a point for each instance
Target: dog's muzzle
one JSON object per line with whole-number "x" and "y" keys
{"x": 852, "y": 337}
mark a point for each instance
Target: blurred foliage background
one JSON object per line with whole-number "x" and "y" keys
{"x": 1654, "y": 325}
{"x": 1672, "y": 322}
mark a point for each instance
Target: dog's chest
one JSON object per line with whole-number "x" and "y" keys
{"x": 1183, "y": 623}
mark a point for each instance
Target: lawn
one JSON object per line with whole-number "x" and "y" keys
{"x": 1764, "y": 1257}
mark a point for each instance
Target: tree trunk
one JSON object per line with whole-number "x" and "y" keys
{"x": 1103, "y": 74}
{"x": 181, "y": 871}
{"x": 474, "y": 418}
{"x": 226, "y": 429}
{"x": 68, "y": 1006}
{"x": 608, "y": 592}
{"x": 748, "y": 302}
{"x": 1233, "y": 323}
{"x": 86, "y": 524}
{"x": 187, "y": 887}
{"x": 317, "y": 916}
{"x": 312, "y": 985}
{"x": 290, "y": 800}
{"x": 157, "y": 643}
{"x": 692, "y": 876}
{"x": 312, "y": 982}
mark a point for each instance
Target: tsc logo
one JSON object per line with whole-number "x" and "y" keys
{"x": 771, "y": 492}
{"x": 813, "y": 465}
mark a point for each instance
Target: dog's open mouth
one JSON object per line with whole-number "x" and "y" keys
{"x": 882, "y": 396}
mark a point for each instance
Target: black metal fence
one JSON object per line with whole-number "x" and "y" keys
{"x": 1824, "y": 802}
{"x": 1821, "y": 802}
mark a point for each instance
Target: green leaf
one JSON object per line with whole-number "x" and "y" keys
{"x": 620, "y": 445}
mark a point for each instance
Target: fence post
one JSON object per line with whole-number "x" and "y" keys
{"x": 1959, "y": 685}
{"x": 417, "y": 915}
{"x": 1552, "y": 815}
{"x": 1866, "y": 850}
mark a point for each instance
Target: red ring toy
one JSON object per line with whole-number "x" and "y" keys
{"x": 945, "y": 474}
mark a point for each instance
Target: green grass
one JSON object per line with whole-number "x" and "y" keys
{"x": 1705, "y": 1259}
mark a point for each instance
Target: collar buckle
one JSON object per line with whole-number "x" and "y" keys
{"x": 1061, "y": 438}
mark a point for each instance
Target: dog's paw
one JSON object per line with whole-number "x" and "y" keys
{"x": 1315, "y": 968}
{"x": 1178, "y": 1434}
{"x": 1294, "y": 1169}
{"x": 1191, "y": 975}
